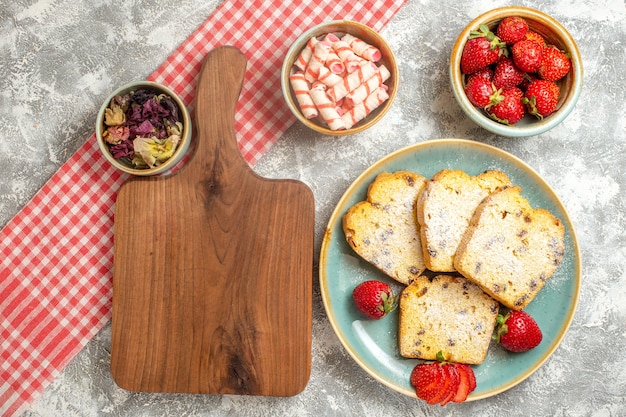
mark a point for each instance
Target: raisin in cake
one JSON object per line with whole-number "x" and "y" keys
{"x": 444, "y": 211}
{"x": 448, "y": 314}
{"x": 383, "y": 229}
{"x": 510, "y": 249}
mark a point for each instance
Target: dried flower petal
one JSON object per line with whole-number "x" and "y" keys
{"x": 170, "y": 105}
{"x": 155, "y": 151}
{"x": 133, "y": 115}
{"x": 122, "y": 102}
{"x": 140, "y": 95}
{"x": 124, "y": 149}
{"x": 114, "y": 116}
{"x": 138, "y": 162}
{"x": 116, "y": 134}
{"x": 144, "y": 129}
{"x": 153, "y": 111}
{"x": 174, "y": 129}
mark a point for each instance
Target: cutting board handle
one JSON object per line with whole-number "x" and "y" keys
{"x": 217, "y": 151}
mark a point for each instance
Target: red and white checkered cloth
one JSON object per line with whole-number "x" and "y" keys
{"x": 56, "y": 254}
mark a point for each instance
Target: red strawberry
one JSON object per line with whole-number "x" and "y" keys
{"x": 534, "y": 36}
{"x": 374, "y": 299}
{"x": 467, "y": 383}
{"x": 453, "y": 377}
{"x": 507, "y": 75}
{"x": 512, "y": 29}
{"x": 486, "y": 73}
{"x": 442, "y": 382}
{"x": 527, "y": 81}
{"x": 511, "y": 109}
{"x": 554, "y": 64}
{"x": 527, "y": 55}
{"x": 541, "y": 98}
{"x": 472, "y": 378}
{"x": 481, "y": 50}
{"x": 481, "y": 92}
{"x": 428, "y": 380}
{"x": 518, "y": 331}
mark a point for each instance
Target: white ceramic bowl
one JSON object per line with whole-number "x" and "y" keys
{"x": 555, "y": 34}
{"x": 127, "y": 167}
{"x": 341, "y": 27}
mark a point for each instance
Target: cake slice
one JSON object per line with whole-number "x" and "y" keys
{"x": 444, "y": 211}
{"x": 448, "y": 314}
{"x": 510, "y": 248}
{"x": 383, "y": 229}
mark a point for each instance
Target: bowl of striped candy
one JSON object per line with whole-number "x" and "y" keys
{"x": 339, "y": 77}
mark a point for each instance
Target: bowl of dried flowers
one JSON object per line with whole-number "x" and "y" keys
{"x": 143, "y": 128}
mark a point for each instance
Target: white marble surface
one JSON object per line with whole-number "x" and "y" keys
{"x": 60, "y": 58}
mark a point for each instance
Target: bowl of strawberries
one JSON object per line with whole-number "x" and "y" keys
{"x": 516, "y": 71}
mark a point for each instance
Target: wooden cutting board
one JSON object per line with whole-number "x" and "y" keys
{"x": 213, "y": 265}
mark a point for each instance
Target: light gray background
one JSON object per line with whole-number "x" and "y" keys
{"x": 60, "y": 58}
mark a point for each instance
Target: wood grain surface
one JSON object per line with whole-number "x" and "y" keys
{"x": 213, "y": 265}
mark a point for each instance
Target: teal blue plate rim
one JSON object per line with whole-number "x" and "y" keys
{"x": 372, "y": 344}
